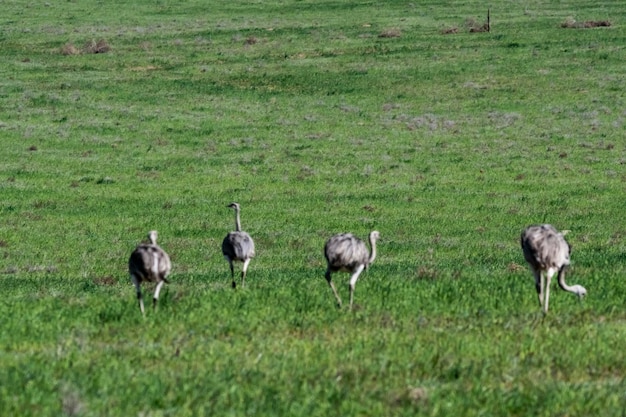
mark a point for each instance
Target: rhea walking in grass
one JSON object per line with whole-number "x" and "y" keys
{"x": 238, "y": 246}
{"x": 345, "y": 252}
{"x": 150, "y": 263}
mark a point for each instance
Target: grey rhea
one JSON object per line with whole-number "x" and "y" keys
{"x": 345, "y": 252}
{"x": 238, "y": 246}
{"x": 547, "y": 252}
{"x": 150, "y": 263}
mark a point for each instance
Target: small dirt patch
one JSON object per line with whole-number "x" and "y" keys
{"x": 390, "y": 33}
{"x": 573, "y": 24}
{"x": 99, "y": 47}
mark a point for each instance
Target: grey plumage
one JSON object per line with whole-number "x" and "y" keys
{"x": 238, "y": 246}
{"x": 150, "y": 263}
{"x": 547, "y": 252}
{"x": 345, "y": 252}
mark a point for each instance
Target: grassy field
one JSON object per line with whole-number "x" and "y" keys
{"x": 318, "y": 117}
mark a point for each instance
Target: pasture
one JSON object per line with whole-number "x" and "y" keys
{"x": 318, "y": 117}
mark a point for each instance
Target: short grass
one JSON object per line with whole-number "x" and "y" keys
{"x": 318, "y": 117}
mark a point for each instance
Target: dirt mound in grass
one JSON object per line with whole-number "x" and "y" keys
{"x": 572, "y": 24}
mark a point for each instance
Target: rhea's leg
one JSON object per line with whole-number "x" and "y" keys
{"x": 232, "y": 271}
{"x": 332, "y": 286}
{"x": 549, "y": 275}
{"x": 243, "y": 271}
{"x": 157, "y": 290}
{"x": 353, "y": 280}
{"x": 137, "y": 284}
{"x": 539, "y": 285}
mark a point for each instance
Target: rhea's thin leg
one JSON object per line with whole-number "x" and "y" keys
{"x": 243, "y": 271}
{"x": 232, "y": 272}
{"x": 140, "y": 298}
{"x": 137, "y": 284}
{"x": 353, "y": 281}
{"x": 549, "y": 275}
{"x": 539, "y": 286}
{"x": 332, "y": 286}
{"x": 157, "y": 290}
{"x": 351, "y": 295}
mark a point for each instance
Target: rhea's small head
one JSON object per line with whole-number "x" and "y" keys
{"x": 579, "y": 290}
{"x": 374, "y": 235}
{"x": 234, "y": 206}
{"x": 152, "y": 236}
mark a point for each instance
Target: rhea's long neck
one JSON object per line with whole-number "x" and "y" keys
{"x": 561, "y": 279}
{"x": 373, "y": 252}
{"x": 237, "y": 220}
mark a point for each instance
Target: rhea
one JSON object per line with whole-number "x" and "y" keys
{"x": 150, "y": 263}
{"x": 238, "y": 246}
{"x": 548, "y": 253}
{"x": 345, "y": 252}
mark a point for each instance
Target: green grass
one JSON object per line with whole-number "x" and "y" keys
{"x": 449, "y": 145}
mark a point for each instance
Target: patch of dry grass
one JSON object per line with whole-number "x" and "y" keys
{"x": 70, "y": 49}
{"x": 450, "y": 30}
{"x": 475, "y": 26}
{"x": 251, "y": 40}
{"x": 90, "y": 47}
{"x": 99, "y": 47}
{"x": 570, "y": 23}
{"x": 390, "y": 33}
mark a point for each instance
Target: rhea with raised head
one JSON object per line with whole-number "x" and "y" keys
{"x": 238, "y": 246}
{"x": 150, "y": 263}
{"x": 346, "y": 252}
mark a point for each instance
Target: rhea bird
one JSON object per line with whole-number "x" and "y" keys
{"x": 548, "y": 253}
{"x": 238, "y": 246}
{"x": 150, "y": 263}
{"x": 345, "y": 252}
